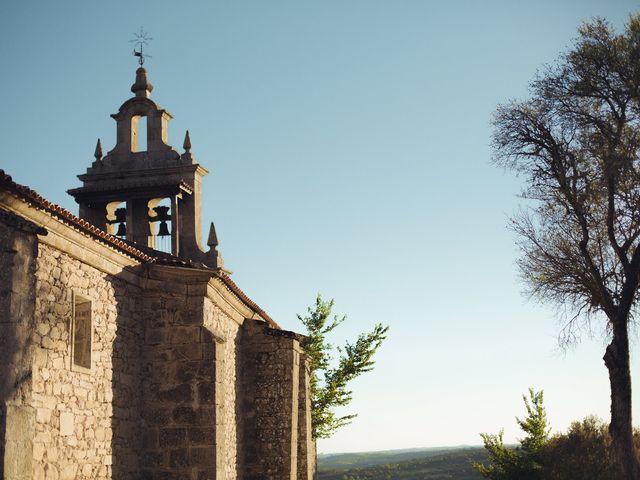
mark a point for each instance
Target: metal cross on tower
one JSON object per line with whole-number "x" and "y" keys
{"x": 141, "y": 39}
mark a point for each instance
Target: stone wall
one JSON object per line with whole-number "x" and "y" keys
{"x": 229, "y": 415}
{"x": 88, "y": 422}
{"x": 271, "y": 361}
{"x": 190, "y": 392}
{"x": 306, "y": 444}
{"x": 18, "y": 247}
{"x": 185, "y": 381}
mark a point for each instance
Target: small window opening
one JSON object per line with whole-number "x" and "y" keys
{"x": 139, "y": 133}
{"x": 81, "y": 333}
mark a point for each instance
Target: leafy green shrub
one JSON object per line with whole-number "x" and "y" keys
{"x": 523, "y": 462}
{"x": 585, "y": 452}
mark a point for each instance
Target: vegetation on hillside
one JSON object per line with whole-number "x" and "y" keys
{"x": 584, "y": 452}
{"x": 352, "y": 460}
{"x": 430, "y": 465}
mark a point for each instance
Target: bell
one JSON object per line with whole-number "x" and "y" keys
{"x": 122, "y": 230}
{"x": 121, "y": 215}
{"x": 162, "y": 213}
{"x": 163, "y": 231}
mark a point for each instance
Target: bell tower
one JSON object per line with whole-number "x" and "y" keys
{"x": 143, "y": 190}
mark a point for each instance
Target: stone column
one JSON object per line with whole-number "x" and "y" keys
{"x": 138, "y": 228}
{"x": 175, "y": 221}
{"x": 306, "y": 443}
{"x": 189, "y": 223}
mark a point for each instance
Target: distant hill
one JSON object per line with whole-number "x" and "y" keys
{"x": 453, "y": 463}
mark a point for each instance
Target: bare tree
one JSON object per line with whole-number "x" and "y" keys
{"x": 576, "y": 140}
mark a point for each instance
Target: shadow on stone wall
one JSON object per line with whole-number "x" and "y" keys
{"x": 18, "y": 248}
{"x": 180, "y": 388}
{"x": 127, "y": 424}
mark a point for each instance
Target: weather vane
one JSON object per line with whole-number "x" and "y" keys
{"x": 140, "y": 40}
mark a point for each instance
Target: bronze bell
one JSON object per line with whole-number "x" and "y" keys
{"x": 162, "y": 215}
{"x": 121, "y": 214}
{"x": 163, "y": 231}
{"x": 122, "y": 230}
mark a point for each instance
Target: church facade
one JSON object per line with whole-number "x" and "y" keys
{"x": 126, "y": 350}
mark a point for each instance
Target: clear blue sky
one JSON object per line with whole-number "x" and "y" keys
{"x": 348, "y": 148}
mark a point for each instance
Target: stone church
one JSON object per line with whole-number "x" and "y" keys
{"x": 126, "y": 350}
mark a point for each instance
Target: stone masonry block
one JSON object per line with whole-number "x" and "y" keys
{"x": 185, "y": 335}
{"x": 187, "y": 352}
{"x": 158, "y": 415}
{"x": 66, "y": 423}
{"x": 185, "y": 416}
{"x": 179, "y": 457}
{"x": 206, "y": 415}
{"x": 150, "y": 438}
{"x": 156, "y": 336}
{"x": 209, "y": 474}
{"x": 173, "y": 437}
{"x": 201, "y": 436}
{"x": 203, "y": 457}
{"x": 180, "y": 393}
{"x": 206, "y": 392}
{"x": 189, "y": 371}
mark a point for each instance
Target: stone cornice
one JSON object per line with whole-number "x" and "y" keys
{"x": 39, "y": 203}
{"x": 72, "y": 241}
{"x": 219, "y": 293}
{"x": 203, "y": 282}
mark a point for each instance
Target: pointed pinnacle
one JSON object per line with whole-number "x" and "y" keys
{"x": 187, "y": 142}
{"x": 213, "y": 238}
{"x": 98, "y": 152}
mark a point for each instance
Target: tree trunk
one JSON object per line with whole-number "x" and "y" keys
{"x": 616, "y": 358}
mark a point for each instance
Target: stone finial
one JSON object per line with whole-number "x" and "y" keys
{"x": 214, "y": 259}
{"x": 213, "y": 238}
{"x": 142, "y": 87}
{"x": 98, "y": 152}
{"x": 187, "y": 142}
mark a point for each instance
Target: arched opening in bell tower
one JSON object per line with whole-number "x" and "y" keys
{"x": 117, "y": 219}
{"x": 160, "y": 224}
{"x": 139, "y": 133}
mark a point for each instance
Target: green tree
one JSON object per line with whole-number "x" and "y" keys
{"x": 329, "y": 384}
{"x": 523, "y": 462}
{"x": 577, "y": 141}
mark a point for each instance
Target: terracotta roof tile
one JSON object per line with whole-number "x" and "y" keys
{"x": 69, "y": 218}
{"x": 248, "y": 302}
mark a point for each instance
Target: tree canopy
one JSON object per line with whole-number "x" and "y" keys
{"x": 576, "y": 141}
{"x": 329, "y": 381}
